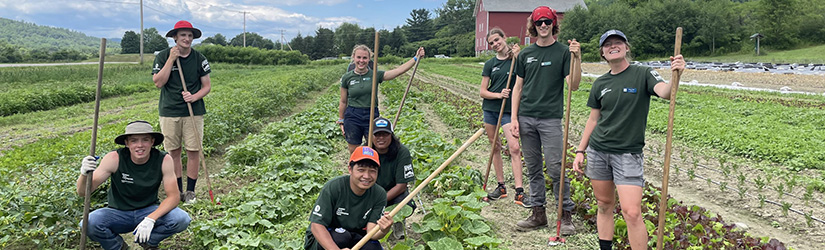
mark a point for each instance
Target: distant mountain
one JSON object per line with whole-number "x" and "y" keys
{"x": 31, "y": 36}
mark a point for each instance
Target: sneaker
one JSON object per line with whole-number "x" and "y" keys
{"x": 399, "y": 230}
{"x": 499, "y": 192}
{"x": 146, "y": 246}
{"x": 522, "y": 200}
{"x": 189, "y": 197}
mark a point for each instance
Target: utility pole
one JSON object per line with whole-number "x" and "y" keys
{"x": 141, "y": 32}
{"x": 244, "y": 27}
{"x": 282, "y": 39}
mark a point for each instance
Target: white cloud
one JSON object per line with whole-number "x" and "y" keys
{"x": 296, "y": 2}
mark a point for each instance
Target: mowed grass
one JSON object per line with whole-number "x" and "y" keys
{"x": 148, "y": 58}
{"x": 805, "y": 55}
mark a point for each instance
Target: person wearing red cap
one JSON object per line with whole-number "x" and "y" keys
{"x": 356, "y": 86}
{"x": 614, "y": 136}
{"x": 537, "y": 108}
{"x": 349, "y": 206}
{"x": 175, "y": 123}
{"x": 494, "y": 87}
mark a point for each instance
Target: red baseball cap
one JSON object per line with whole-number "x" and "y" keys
{"x": 184, "y": 25}
{"x": 544, "y": 12}
{"x": 364, "y": 152}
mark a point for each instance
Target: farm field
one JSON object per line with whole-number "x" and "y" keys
{"x": 750, "y": 157}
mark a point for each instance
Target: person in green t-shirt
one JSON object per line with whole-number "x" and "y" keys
{"x": 356, "y": 86}
{"x": 494, "y": 87}
{"x": 175, "y": 123}
{"x": 137, "y": 171}
{"x": 396, "y": 168}
{"x": 349, "y": 206}
{"x": 614, "y": 136}
{"x": 537, "y": 107}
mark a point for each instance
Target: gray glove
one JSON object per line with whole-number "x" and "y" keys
{"x": 88, "y": 165}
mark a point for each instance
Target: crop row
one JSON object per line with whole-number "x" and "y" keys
{"x": 37, "y": 183}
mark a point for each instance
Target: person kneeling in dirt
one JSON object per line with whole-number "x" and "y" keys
{"x": 396, "y": 168}
{"x": 137, "y": 172}
{"x": 349, "y": 206}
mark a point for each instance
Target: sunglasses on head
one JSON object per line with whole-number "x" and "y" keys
{"x": 547, "y": 22}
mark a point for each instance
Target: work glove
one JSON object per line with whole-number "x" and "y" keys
{"x": 143, "y": 230}
{"x": 88, "y": 165}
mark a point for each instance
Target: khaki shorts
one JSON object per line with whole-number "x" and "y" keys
{"x": 177, "y": 129}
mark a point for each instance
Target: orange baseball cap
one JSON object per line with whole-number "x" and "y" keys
{"x": 364, "y": 152}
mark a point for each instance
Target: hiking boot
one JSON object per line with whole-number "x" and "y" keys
{"x": 146, "y": 246}
{"x": 522, "y": 199}
{"x": 189, "y": 197}
{"x": 567, "y": 227}
{"x": 537, "y": 219}
{"x": 498, "y": 192}
{"x": 399, "y": 230}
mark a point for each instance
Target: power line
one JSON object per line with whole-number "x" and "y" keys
{"x": 104, "y": 1}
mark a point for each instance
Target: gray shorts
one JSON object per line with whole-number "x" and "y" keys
{"x": 622, "y": 169}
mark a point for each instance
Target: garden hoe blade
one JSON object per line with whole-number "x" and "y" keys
{"x": 556, "y": 240}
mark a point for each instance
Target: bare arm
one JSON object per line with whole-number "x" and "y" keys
{"x": 322, "y": 236}
{"x": 206, "y": 87}
{"x": 588, "y": 130}
{"x": 342, "y": 103}
{"x": 170, "y": 187}
{"x": 398, "y": 189}
{"x": 514, "y": 105}
{"x": 107, "y": 166}
{"x": 662, "y": 89}
{"x": 162, "y": 76}
{"x": 486, "y": 94}
{"x": 384, "y": 224}
{"x": 393, "y": 73}
{"x": 575, "y": 76}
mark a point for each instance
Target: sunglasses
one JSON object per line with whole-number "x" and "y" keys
{"x": 547, "y": 22}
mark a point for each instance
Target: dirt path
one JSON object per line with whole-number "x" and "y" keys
{"x": 765, "y": 221}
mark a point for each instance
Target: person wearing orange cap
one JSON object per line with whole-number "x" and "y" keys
{"x": 537, "y": 108}
{"x": 614, "y": 136}
{"x": 175, "y": 123}
{"x": 349, "y": 206}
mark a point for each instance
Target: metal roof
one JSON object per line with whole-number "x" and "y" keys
{"x": 528, "y": 5}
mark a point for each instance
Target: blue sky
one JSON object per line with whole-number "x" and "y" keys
{"x": 111, "y": 18}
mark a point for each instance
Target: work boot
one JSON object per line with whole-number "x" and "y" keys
{"x": 567, "y": 227}
{"x": 537, "y": 219}
{"x": 522, "y": 199}
{"x": 146, "y": 246}
{"x": 498, "y": 192}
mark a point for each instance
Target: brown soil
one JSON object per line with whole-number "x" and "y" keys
{"x": 761, "y": 221}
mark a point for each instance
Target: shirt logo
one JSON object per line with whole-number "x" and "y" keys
{"x": 532, "y": 59}
{"x": 317, "y": 210}
{"x": 126, "y": 178}
{"x": 408, "y": 171}
{"x": 496, "y": 69}
{"x": 353, "y": 82}
{"x": 546, "y": 64}
{"x": 629, "y": 90}
{"x": 368, "y": 212}
{"x": 205, "y": 65}
{"x": 341, "y": 211}
{"x": 605, "y": 91}
{"x": 656, "y": 74}
{"x": 157, "y": 67}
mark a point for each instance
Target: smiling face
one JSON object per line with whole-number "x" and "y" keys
{"x": 381, "y": 141}
{"x": 496, "y": 42}
{"x": 614, "y": 48}
{"x": 140, "y": 147}
{"x": 362, "y": 176}
{"x": 183, "y": 38}
{"x": 362, "y": 59}
{"x": 544, "y": 27}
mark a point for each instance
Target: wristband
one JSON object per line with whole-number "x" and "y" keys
{"x": 580, "y": 151}
{"x": 340, "y": 120}
{"x": 415, "y": 58}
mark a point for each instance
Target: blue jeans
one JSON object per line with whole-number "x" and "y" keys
{"x": 106, "y": 225}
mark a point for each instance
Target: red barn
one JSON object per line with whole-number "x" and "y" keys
{"x": 511, "y": 16}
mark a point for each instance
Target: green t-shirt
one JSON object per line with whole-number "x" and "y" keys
{"x": 136, "y": 186}
{"x": 396, "y": 169}
{"x": 359, "y": 88}
{"x": 338, "y": 207}
{"x": 171, "y": 102}
{"x": 543, "y": 70}
{"x": 624, "y": 101}
{"x": 498, "y": 71}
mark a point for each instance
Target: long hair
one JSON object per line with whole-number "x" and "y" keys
{"x": 531, "y": 28}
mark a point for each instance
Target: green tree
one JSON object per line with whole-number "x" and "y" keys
{"x": 324, "y": 44}
{"x": 299, "y": 44}
{"x": 724, "y": 31}
{"x": 419, "y": 25}
{"x": 812, "y": 20}
{"x": 779, "y": 22}
{"x": 455, "y": 17}
{"x": 153, "y": 41}
{"x": 217, "y": 39}
{"x": 253, "y": 40}
{"x": 130, "y": 44}
{"x": 346, "y": 36}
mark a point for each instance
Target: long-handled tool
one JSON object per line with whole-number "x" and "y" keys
{"x": 498, "y": 124}
{"x": 197, "y": 133}
{"x": 373, "y": 94}
{"x": 674, "y": 85}
{"x": 556, "y": 240}
{"x": 89, "y": 178}
{"x": 404, "y": 98}
{"x": 421, "y": 186}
